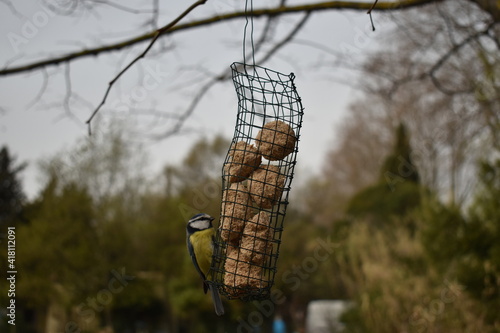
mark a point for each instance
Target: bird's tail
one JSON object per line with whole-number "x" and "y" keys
{"x": 219, "y": 308}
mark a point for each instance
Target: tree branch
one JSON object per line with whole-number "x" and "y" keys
{"x": 12, "y": 9}
{"x": 123, "y": 8}
{"x": 226, "y": 74}
{"x": 169, "y": 29}
{"x": 369, "y": 12}
{"x": 42, "y": 89}
{"x": 285, "y": 40}
{"x": 456, "y": 48}
{"x": 490, "y": 6}
{"x": 158, "y": 33}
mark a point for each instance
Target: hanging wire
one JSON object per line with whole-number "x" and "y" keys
{"x": 248, "y": 14}
{"x": 256, "y": 177}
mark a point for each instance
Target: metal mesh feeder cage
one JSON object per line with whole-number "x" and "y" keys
{"x": 256, "y": 181}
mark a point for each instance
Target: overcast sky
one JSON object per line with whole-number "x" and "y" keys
{"x": 33, "y": 132}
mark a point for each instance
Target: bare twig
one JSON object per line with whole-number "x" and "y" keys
{"x": 317, "y": 46}
{"x": 68, "y": 94}
{"x": 13, "y": 9}
{"x": 491, "y": 7}
{"x": 122, "y": 7}
{"x": 156, "y": 13}
{"x": 225, "y": 75}
{"x": 157, "y": 34}
{"x": 83, "y": 102}
{"x": 370, "y": 13}
{"x": 372, "y": 7}
{"x": 266, "y": 32}
{"x": 285, "y": 40}
{"x": 494, "y": 38}
{"x": 329, "y": 5}
{"x": 42, "y": 90}
{"x": 157, "y": 113}
{"x": 190, "y": 109}
{"x": 62, "y": 7}
{"x": 451, "y": 52}
{"x": 71, "y": 7}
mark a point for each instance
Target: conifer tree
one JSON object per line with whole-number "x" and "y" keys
{"x": 479, "y": 264}
{"x": 11, "y": 194}
{"x": 398, "y": 188}
{"x": 399, "y": 165}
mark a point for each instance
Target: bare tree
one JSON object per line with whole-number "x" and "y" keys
{"x": 431, "y": 75}
{"x": 157, "y": 31}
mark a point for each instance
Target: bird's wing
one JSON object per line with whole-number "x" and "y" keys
{"x": 215, "y": 247}
{"x": 195, "y": 263}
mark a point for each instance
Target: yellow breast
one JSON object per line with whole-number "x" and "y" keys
{"x": 203, "y": 248}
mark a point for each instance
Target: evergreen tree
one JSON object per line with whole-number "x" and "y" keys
{"x": 398, "y": 188}
{"x": 12, "y": 200}
{"x": 399, "y": 166}
{"x": 11, "y": 194}
{"x": 479, "y": 266}
{"x": 60, "y": 253}
{"x": 440, "y": 230}
{"x": 466, "y": 247}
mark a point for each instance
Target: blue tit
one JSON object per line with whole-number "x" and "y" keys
{"x": 200, "y": 243}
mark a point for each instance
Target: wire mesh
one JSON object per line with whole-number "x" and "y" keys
{"x": 256, "y": 181}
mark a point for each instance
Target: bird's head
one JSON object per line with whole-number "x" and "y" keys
{"x": 199, "y": 222}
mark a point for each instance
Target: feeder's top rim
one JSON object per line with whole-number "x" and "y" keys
{"x": 241, "y": 67}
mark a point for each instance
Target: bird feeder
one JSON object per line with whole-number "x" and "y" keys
{"x": 256, "y": 181}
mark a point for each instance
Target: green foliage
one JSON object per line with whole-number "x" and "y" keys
{"x": 59, "y": 248}
{"x": 11, "y": 194}
{"x": 427, "y": 266}
{"x": 395, "y": 255}
{"x": 139, "y": 294}
{"x": 398, "y": 190}
{"x": 379, "y": 202}
{"x": 441, "y": 233}
{"x": 204, "y": 160}
{"x": 297, "y": 259}
{"x": 479, "y": 266}
{"x": 12, "y": 213}
{"x": 396, "y": 289}
{"x": 107, "y": 164}
{"x": 467, "y": 246}
{"x": 399, "y": 163}
{"x": 442, "y": 276}
{"x": 96, "y": 215}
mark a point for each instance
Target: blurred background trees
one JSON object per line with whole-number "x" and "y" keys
{"x": 408, "y": 260}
